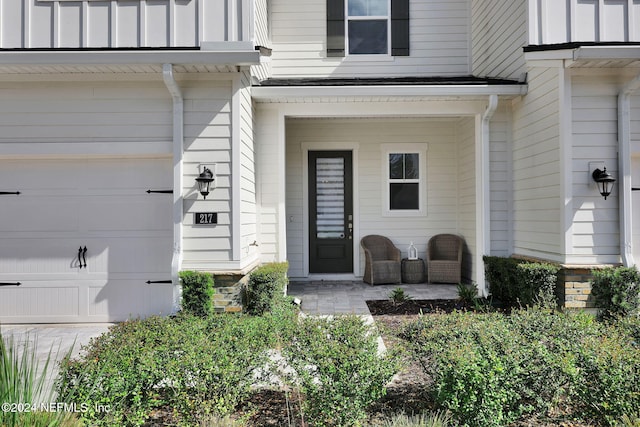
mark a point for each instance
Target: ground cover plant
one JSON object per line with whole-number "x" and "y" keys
{"x": 493, "y": 370}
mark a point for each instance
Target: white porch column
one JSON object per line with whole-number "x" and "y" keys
{"x": 624, "y": 170}
{"x": 178, "y": 138}
{"x": 483, "y": 193}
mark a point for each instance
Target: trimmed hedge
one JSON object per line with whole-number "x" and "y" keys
{"x": 266, "y": 283}
{"x": 494, "y": 370}
{"x": 516, "y": 282}
{"x": 616, "y": 291}
{"x": 197, "y": 291}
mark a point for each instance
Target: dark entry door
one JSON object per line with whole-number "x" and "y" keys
{"x": 330, "y": 212}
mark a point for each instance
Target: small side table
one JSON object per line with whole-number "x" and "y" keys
{"x": 413, "y": 271}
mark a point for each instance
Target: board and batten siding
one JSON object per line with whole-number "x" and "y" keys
{"x": 85, "y": 112}
{"x": 499, "y": 31}
{"x": 439, "y": 42}
{"x": 596, "y": 234}
{"x": 262, "y": 38}
{"x": 536, "y": 168}
{"x": 444, "y": 175}
{"x": 121, "y": 24}
{"x": 553, "y": 21}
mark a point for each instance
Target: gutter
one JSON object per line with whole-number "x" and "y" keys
{"x": 178, "y": 138}
{"x": 624, "y": 169}
{"x": 483, "y": 194}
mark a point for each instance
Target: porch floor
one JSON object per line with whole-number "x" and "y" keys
{"x": 349, "y": 297}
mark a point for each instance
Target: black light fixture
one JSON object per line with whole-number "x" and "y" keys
{"x": 604, "y": 180}
{"x": 204, "y": 181}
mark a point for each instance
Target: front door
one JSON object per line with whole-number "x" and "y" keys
{"x": 330, "y": 212}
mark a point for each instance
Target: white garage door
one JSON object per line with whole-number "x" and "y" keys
{"x": 67, "y": 205}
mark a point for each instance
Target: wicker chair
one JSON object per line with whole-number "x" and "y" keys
{"x": 444, "y": 258}
{"x": 382, "y": 260}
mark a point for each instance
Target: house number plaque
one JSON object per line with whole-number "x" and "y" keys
{"x": 205, "y": 218}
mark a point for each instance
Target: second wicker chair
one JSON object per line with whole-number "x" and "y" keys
{"x": 444, "y": 258}
{"x": 382, "y": 260}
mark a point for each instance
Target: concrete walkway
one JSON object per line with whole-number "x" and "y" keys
{"x": 349, "y": 297}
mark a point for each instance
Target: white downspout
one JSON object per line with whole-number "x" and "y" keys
{"x": 178, "y": 138}
{"x": 624, "y": 170}
{"x": 483, "y": 195}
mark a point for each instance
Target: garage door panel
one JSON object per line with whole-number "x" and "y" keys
{"x": 25, "y": 214}
{"x": 47, "y": 301}
{"x": 130, "y": 213}
{"x": 39, "y": 256}
{"x": 98, "y": 204}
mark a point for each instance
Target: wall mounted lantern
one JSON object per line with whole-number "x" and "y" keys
{"x": 604, "y": 180}
{"x": 204, "y": 181}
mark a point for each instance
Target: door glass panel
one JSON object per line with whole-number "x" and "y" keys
{"x": 330, "y": 188}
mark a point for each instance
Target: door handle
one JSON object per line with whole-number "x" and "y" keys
{"x": 82, "y": 255}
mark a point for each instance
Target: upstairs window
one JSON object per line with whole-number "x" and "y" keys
{"x": 367, "y": 27}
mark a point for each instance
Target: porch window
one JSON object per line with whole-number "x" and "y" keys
{"x": 368, "y": 27}
{"x": 404, "y": 169}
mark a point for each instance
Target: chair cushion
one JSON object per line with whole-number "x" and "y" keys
{"x": 386, "y": 272}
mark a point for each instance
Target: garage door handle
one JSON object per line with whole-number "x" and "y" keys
{"x": 10, "y": 283}
{"x": 150, "y": 282}
{"x": 17, "y": 193}
{"x": 82, "y": 255}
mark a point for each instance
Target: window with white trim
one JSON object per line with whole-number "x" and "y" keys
{"x": 404, "y": 169}
{"x": 368, "y": 23}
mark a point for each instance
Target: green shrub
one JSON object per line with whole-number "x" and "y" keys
{"x": 398, "y": 295}
{"x": 266, "y": 284}
{"x": 197, "y": 291}
{"x": 616, "y": 291}
{"x": 338, "y": 369}
{"x": 517, "y": 282}
{"x": 194, "y": 366}
{"x": 493, "y": 370}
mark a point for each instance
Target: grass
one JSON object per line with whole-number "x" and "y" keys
{"x": 24, "y": 387}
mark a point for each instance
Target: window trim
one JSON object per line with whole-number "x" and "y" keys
{"x": 404, "y": 148}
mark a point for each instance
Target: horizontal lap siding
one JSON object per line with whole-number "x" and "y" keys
{"x": 595, "y": 229}
{"x": 499, "y": 29}
{"x": 207, "y": 140}
{"x": 443, "y": 175}
{"x": 85, "y": 112}
{"x": 536, "y": 168}
{"x": 439, "y": 42}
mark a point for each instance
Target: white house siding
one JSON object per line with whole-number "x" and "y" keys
{"x": 207, "y": 140}
{"x": 594, "y": 134}
{"x": 465, "y": 134}
{"x": 553, "y": 21}
{"x": 439, "y": 42}
{"x": 499, "y": 31}
{"x": 262, "y": 38}
{"x": 500, "y": 180}
{"x": 122, "y": 23}
{"x": 448, "y": 158}
{"x": 536, "y": 168}
{"x": 248, "y": 206}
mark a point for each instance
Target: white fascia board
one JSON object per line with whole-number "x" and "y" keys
{"x": 116, "y": 57}
{"x": 606, "y": 52}
{"x": 279, "y": 92}
{"x": 546, "y": 55}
